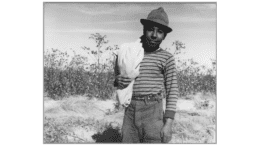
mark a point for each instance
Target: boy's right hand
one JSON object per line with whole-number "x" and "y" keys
{"x": 122, "y": 82}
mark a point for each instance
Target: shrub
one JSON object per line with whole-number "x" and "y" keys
{"x": 76, "y": 80}
{"x": 63, "y": 78}
{"x": 193, "y": 79}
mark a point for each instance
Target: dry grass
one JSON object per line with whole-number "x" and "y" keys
{"x": 77, "y": 119}
{"x": 195, "y": 120}
{"x": 84, "y": 120}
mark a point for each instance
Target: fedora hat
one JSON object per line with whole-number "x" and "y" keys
{"x": 159, "y": 18}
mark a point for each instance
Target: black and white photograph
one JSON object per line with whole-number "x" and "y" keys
{"x": 130, "y": 72}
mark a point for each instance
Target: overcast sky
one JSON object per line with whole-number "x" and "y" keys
{"x": 69, "y": 25}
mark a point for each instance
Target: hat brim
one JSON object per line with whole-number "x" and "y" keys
{"x": 149, "y": 23}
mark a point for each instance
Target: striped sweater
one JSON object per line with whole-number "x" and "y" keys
{"x": 157, "y": 70}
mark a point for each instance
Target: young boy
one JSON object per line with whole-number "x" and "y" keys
{"x": 145, "y": 120}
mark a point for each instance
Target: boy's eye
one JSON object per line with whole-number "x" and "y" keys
{"x": 160, "y": 31}
{"x": 150, "y": 29}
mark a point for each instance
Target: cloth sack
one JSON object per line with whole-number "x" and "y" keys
{"x": 130, "y": 56}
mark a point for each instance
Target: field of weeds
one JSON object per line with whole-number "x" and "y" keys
{"x": 84, "y": 120}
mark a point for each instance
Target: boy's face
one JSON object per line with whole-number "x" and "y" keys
{"x": 154, "y": 36}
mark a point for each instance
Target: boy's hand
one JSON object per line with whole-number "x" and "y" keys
{"x": 166, "y": 132}
{"x": 122, "y": 82}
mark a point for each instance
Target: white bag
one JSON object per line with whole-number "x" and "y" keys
{"x": 130, "y": 56}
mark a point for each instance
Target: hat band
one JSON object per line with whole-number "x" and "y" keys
{"x": 158, "y": 21}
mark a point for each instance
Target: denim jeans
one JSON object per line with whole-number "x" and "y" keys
{"x": 143, "y": 121}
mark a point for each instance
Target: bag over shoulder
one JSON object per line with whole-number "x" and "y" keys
{"x": 130, "y": 56}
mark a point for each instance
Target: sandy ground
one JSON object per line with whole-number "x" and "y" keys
{"x": 192, "y": 122}
{"x": 78, "y": 106}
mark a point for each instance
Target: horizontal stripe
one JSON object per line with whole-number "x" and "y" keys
{"x": 172, "y": 105}
{"x": 170, "y": 109}
{"x": 155, "y": 68}
{"x": 169, "y": 106}
{"x": 153, "y": 60}
{"x": 170, "y": 74}
{"x": 171, "y": 67}
{"x": 172, "y": 93}
{"x": 153, "y": 82}
{"x": 172, "y": 90}
{"x": 171, "y": 79}
{"x": 149, "y": 77}
{"x": 171, "y": 101}
{"x": 171, "y": 97}
{"x": 143, "y": 87}
{"x": 156, "y": 59}
{"x": 139, "y": 92}
{"x": 170, "y": 61}
{"x": 146, "y": 93}
{"x": 171, "y": 83}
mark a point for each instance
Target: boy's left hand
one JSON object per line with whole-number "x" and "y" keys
{"x": 166, "y": 132}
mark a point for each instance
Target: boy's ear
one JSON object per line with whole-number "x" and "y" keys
{"x": 144, "y": 29}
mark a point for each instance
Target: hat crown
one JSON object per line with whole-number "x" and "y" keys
{"x": 159, "y": 16}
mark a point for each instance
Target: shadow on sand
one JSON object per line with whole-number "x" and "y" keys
{"x": 110, "y": 135}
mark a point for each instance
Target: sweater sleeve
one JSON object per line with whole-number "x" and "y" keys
{"x": 171, "y": 87}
